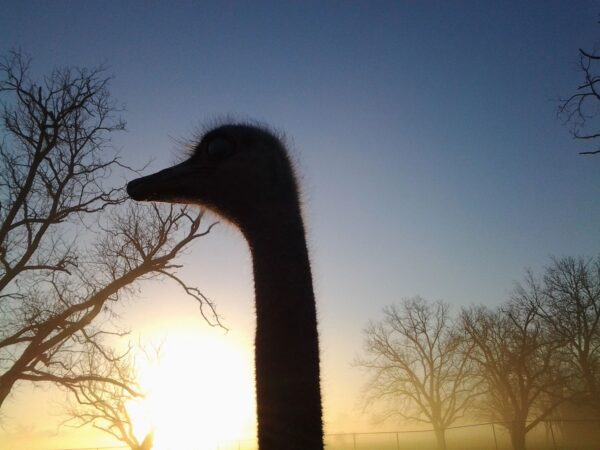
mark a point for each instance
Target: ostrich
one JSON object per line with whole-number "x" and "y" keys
{"x": 243, "y": 174}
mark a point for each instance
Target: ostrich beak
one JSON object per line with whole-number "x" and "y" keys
{"x": 166, "y": 185}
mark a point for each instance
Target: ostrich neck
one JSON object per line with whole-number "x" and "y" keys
{"x": 287, "y": 353}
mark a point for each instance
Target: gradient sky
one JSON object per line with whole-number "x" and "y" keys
{"x": 425, "y": 134}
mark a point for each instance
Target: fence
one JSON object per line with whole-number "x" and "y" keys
{"x": 547, "y": 435}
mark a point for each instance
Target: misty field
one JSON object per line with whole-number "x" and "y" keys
{"x": 581, "y": 435}
{"x": 571, "y": 435}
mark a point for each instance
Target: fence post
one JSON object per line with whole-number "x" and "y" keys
{"x": 552, "y": 434}
{"x": 495, "y": 440}
{"x": 354, "y": 439}
{"x": 397, "y": 441}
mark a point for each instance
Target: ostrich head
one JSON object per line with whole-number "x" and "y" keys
{"x": 238, "y": 171}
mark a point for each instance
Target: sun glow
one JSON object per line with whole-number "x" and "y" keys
{"x": 200, "y": 394}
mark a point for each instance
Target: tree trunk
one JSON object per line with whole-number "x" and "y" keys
{"x": 440, "y": 436}
{"x": 6, "y": 384}
{"x": 517, "y": 436}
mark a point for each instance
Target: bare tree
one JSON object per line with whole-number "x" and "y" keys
{"x": 580, "y": 110}
{"x": 568, "y": 300}
{"x": 105, "y": 405}
{"x": 518, "y": 363}
{"x": 69, "y": 245}
{"x": 418, "y": 365}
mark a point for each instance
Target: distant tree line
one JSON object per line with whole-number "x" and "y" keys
{"x": 520, "y": 363}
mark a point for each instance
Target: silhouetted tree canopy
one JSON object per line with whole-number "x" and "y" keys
{"x": 580, "y": 109}
{"x": 419, "y": 366}
{"x": 520, "y": 364}
{"x": 106, "y": 405}
{"x": 567, "y": 298}
{"x": 70, "y": 248}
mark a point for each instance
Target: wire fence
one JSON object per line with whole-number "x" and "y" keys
{"x": 547, "y": 435}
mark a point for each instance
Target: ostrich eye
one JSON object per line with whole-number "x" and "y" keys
{"x": 219, "y": 148}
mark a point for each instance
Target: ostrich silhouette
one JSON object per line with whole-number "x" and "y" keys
{"x": 243, "y": 173}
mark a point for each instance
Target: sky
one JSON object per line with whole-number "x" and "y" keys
{"x": 425, "y": 136}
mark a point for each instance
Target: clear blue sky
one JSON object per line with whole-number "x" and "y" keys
{"x": 425, "y": 133}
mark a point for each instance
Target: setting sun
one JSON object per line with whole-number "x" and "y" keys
{"x": 200, "y": 394}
